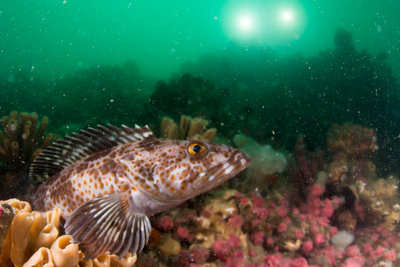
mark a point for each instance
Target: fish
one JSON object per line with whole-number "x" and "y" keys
{"x": 107, "y": 181}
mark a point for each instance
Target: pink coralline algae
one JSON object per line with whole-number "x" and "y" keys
{"x": 283, "y": 209}
{"x": 283, "y": 235}
{"x": 352, "y": 251}
{"x": 282, "y": 227}
{"x": 198, "y": 255}
{"x": 308, "y": 246}
{"x": 299, "y": 234}
{"x": 182, "y": 232}
{"x": 226, "y": 250}
{"x": 379, "y": 244}
{"x": 236, "y": 221}
{"x": 319, "y": 239}
{"x": 222, "y": 249}
{"x": 257, "y": 200}
{"x": 293, "y": 225}
{"x": 166, "y": 223}
{"x": 193, "y": 257}
{"x": 273, "y": 260}
{"x": 299, "y": 262}
{"x": 354, "y": 262}
{"x": 257, "y": 237}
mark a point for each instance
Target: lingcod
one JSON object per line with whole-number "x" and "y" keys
{"x": 107, "y": 181}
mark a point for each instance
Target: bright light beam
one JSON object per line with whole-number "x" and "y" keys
{"x": 287, "y": 16}
{"x": 245, "y": 23}
{"x": 263, "y": 23}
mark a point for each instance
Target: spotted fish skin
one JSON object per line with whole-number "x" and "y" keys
{"x": 134, "y": 179}
{"x": 155, "y": 170}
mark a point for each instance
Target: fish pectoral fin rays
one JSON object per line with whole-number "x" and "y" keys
{"x": 107, "y": 224}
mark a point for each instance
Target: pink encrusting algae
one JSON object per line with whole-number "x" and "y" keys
{"x": 301, "y": 238}
{"x": 293, "y": 225}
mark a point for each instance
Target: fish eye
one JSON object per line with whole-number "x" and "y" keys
{"x": 197, "y": 149}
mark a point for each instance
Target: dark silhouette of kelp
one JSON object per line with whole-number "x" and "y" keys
{"x": 187, "y": 94}
{"x": 250, "y": 90}
{"x": 307, "y": 95}
{"x": 99, "y": 94}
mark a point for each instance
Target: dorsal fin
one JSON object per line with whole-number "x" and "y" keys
{"x": 72, "y": 148}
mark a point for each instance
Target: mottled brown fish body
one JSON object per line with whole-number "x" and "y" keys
{"x": 88, "y": 178}
{"x": 106, "y": 181}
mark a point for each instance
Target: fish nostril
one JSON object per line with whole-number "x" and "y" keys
{"x": 240, "y": 155}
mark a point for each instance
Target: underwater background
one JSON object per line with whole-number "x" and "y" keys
{"x": 308, "y": 89}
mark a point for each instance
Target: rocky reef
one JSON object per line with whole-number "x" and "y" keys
{"x": 235, "y": 229}
{"x": 316, "y": 208}
{"x": 346, "y": 218}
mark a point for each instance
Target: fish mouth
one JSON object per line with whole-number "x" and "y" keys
{"x": 205, "y": 181}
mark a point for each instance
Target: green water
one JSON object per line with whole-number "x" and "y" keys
{"x": 278, "y": 71}
{"x": 269, "y": 69}
{"x": 272, "y": 69}
{"x": 60, "y": 37}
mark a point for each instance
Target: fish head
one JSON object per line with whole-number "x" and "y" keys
{"x": 182, "y": 169}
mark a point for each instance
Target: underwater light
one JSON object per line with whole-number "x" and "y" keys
{"x": 263, "y": 23}
{"x": 245, "y": 22}
{"x": 287, "y": 16}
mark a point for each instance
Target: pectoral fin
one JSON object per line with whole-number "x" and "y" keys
{"x": 108, "y": 224}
